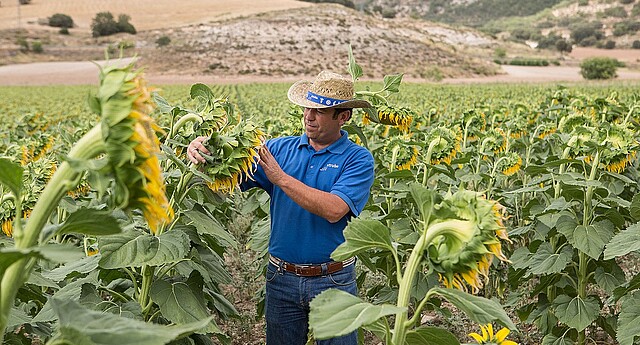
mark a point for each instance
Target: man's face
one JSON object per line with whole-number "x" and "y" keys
{"x": 322, "y": 126}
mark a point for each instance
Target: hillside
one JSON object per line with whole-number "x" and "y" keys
{"x": 300, "y": 40}
{"x": 604, "y": 23}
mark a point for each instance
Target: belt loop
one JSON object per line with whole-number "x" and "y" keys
{"x": 325, "y": 270}
{"x": 280, "y": 267}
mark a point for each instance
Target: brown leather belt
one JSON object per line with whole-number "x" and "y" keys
{"x": 312, "y": 270}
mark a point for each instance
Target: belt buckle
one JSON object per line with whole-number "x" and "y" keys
{"x": 298, "y": 270}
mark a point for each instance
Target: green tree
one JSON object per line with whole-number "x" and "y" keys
{"x": 60, "y": 20}
{"x": 103, "y": 25}
{"x": 599, "y": 68}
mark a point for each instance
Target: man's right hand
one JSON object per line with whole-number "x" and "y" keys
{"x": 195, "y": 147}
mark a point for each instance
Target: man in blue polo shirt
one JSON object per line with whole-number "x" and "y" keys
{"x": 317, "y": 182}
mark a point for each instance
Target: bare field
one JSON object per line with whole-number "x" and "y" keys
{"x": 145, "y": 14}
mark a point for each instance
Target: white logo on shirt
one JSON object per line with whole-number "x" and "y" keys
{"x": 329, "y": 165}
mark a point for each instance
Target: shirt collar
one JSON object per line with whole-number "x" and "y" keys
{"x": 337, "y": 147}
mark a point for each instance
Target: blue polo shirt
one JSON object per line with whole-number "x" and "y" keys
{"x": 343, "y": 168}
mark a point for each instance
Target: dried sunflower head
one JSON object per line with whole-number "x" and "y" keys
{"x": 463, "y": 260}
{"x": 132, "y": 145}
{"x": 446, "y": 144}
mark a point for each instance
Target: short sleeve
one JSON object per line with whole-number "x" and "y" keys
{"x": 354, "y": 184}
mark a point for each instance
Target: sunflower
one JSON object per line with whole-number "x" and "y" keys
{"x": 580, "y": 118}
{"x": 446, "y": 144}
{"x": 132, "y": 145}
{"x": 474, "y": 123}
{"x": 400, "y": 117}
{"x": 510, "y": 163}
{"x": 462, "y": 261}
{"x": 488, "y": 337}
{"x": 495, "y": 140}
{"x": 233, "y": 155}
{"x": 619, "y": 147}
{"x": 406, "y": 156}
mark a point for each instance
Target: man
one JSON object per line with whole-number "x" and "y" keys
{"x": 317, "y": 182}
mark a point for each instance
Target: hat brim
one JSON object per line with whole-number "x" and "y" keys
{"x": 298, "y": 95}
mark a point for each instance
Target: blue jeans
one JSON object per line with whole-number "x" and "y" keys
{"x": 287, "y": 304}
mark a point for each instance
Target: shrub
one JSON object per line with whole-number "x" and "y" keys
{"x": 582, "y": 31}
{"x": 635, "y": 44}
{"x": 609, "y": 44}
{"x": 60, "y": 20}
{"x": 500, "y": 52}
{"x": 64, "y": 31}
{"x": 616, "y": 12}
{"x": 123, "y": 24}
{"x": 24, "y": 45}
{"x": 163, "y": 41}
{"x": 104, "y": 25}
{"x": 563, "y": 46}
{"x": 599, "y": 68}
{"x": 36, "y": 47}
{"x": 625, "y": 2}
{"x": 583, "y": 2}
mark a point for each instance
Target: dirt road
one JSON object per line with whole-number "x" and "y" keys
{"x": 85, "y": 72}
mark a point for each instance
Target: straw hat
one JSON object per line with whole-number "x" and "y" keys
{"x": 328, "y": 90}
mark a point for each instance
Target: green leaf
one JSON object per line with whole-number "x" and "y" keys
{"x": 84, "y": 265}
{"x": 392, "y": 82}
{"x": 60, "y": 253}
{"x": 69, "y": 292}
{"x": 162, "y": 103}
{"x": 136, "y": 248}
{"x": 360, "y": 235}
{"x": 591, "y": 239}
{"x": 354, "y": 69}
{"x": 430, "y": 336}
{"x": 90, "y": 221}
{"x": 576, "y": 312}
{"x": 629, "y": 319}
{"x": 335, "y": 313}
{"x": 181, "y": 305}
{"x": 108, "y": 329}
{"x": 634, "y": 209}
{"x": 353, "y": 129}
{"x": 424, "y": 198}
{"x": 11, "y": 176}
{"x": 545, "y": 261}
{"x": 551, "y": 339}
{"x": 609, "y": 275}
{"x": 206, "y": 224}
{"x": 625, "y": 242}
{"x": 202, "y": 93}
{"x": 478, "y": 309}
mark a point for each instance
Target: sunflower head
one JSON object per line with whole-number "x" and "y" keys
{"x": 446, "y": 143}
{"x": 132, "y": 145}
{"x": 233, "y": 154}
{"x": 509, "y": 163}
{"x": 619, "y": 147}
{"x": 579, "y": 118}
{"x": 407, "y": 154}
{"x": 400, "y": 117}
{"x": 462, "y": 261}
{"x": 488, "y": 337}
{"x": 474, "y": 123}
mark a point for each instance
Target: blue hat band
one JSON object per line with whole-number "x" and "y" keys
{"x": 315, "y": 98}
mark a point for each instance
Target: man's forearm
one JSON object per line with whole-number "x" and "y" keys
{"x": 326, "y": 205}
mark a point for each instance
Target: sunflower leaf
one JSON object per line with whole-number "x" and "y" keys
{"x": 335, "y": 313}
{"x": 624, "y": 242}
{"x": 362, "y": 234}
{"x": 479, "y": 309}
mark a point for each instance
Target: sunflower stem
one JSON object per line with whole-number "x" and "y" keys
{"x": 432, "y": 145}
{"x": 454, "y": 227}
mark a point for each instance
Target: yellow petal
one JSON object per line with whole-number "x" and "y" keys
{"x": 502, "y": 334}
{"x": 477, "y": 337}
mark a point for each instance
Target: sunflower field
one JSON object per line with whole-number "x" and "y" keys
{"x": 516, "y": 206}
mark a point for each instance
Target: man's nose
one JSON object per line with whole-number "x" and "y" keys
{"x": 310, "y": 113}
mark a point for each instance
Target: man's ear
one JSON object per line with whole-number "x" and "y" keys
{"x": 344, "y": 116}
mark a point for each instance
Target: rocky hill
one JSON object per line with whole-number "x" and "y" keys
{"x": 293, "y": 42}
